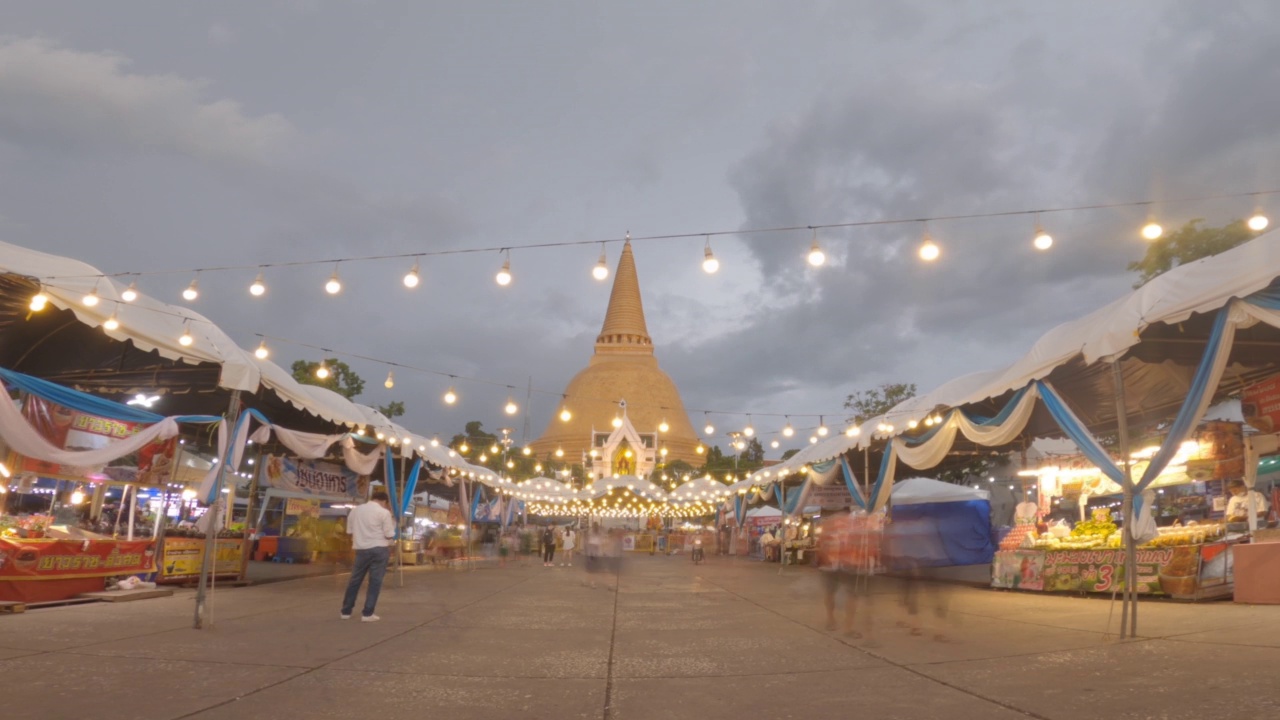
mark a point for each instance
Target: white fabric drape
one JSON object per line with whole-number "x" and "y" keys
{"x": 211, "y": 478}
{"x": 26, "y": 440}
{"x": 312, "y": 446}
{"x": 934, "y": 451}
{"x": 358, "y": 462}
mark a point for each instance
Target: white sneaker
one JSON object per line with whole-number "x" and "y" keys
{"x": 344, "y": 616}
{"x": 370, "y": 618}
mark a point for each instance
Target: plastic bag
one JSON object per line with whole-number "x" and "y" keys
{"x": 1059, "y": 529}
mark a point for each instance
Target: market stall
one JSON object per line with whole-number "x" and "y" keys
{"x": 957, "y": 517}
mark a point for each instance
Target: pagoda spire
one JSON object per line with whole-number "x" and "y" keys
{"x": 624, "y": 330}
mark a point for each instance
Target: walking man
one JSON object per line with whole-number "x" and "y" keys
{"x": 372, "y": 530}
{"x": 548, "y": 546}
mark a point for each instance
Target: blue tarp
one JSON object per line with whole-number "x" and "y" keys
{"x": 946, "y": 533}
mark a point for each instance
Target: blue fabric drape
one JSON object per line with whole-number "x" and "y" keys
{"x": 390, "y": 466}
{"x": 1268, "y": 298}
{"x": 851, "y": 483}
{"x": 1071, "y": 425}
{"x": 475, "y": 500}
{"x": 739, "y": 509}
{"x": 1188, "y": 414}
{"x": 410, "y": 485}
{"x": 872, "y": 501}
{"x": 793, "y": 502}
{"x": 90, "y": 404}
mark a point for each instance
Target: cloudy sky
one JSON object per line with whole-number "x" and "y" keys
{"x": 153, "y": 136}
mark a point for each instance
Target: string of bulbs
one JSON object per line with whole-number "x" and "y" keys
{"x": 929, "y": 250}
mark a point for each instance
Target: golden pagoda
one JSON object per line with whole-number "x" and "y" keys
{"x": 619, "y": 402}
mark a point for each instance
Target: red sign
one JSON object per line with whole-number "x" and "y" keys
{"x": 69, "y": 559}
{"x": 1261, "y": 404}
{"x": 73, "y": 430}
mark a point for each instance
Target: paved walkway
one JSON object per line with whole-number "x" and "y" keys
{"x": 728, "y": 639}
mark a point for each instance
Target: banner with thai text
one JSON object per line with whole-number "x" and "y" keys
{"x": 313, "y": 478}
{"x": 70, "y": 559}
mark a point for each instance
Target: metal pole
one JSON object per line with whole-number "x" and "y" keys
{"x": 1129, "y": 608}
{"x": 207, "y": 564}
{"x": 404, "y": 482}
{"x": 250, "y": 525}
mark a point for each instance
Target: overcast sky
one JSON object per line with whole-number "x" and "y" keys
{"x": 148, "y": 136}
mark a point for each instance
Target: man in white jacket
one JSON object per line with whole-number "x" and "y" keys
{"x": 372, "y": 529}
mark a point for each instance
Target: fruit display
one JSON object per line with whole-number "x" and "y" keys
{"x": 1188, "y": 535}
{"x": 1097, "y": 527}
{"x": 1018, "y": 536}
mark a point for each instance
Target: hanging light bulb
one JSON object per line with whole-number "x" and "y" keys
{"x": 112, "y": 323}
{"x": 565, "y": 415}
{"x": 39, "y": 301}
{"x": 494, "y": 449}
{"x": 322, "y": 372}
{"x": 709, "y": 429}
{"x": 390, "y": 382}
{"x": 616, "y": 422}
{"x": 504, "y": 275}
{"x": 91, "y": 299}
{"x": 526, "y": 451}
{"x": 435, "y": 442}
{"x": 852, "y": 431}
{"x": 929, "y": 250}
{"x": 334, "y": 285}
{"x": 262, "y": 353}
{"x": 559, "y": 452}
{"x": 816, "y": 256}
{"x": 77, "y": 497}
{"x": 700, "y": 449}
{"x": 511, "y": 408}
{"x": 709, "y": 262}
{"x": 813, "y": 439}
{"x": 130, "y": 293}
{"x": 464, "y": 448}
{"x": 1042, "y": 240}
{"x": 787, "y": 430}
{"x": 185, "y": 340}
{"x": 1152, "y": 230}
{"x": 663, "y": 426}
{"x": 601, "y": 270}
{"x": 912, "y": 424}
{"x": 411, "y": 278}
{"x": 259, "y": 286}
{"x": 773, "y": 444}
{"x": 1258, "y": 222}
{"x": 822, "y": 427}
{"x": 450, "y": 397}
{"x": 193, "y": 290}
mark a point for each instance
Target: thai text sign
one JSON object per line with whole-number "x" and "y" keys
{"x": 313, "y": 478}
{"x": 70, "y": 559}
{"x": 183, "y": 557}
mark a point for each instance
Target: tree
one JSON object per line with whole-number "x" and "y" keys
{"x": 788, "y": 454}
{"x": 342, "y": 379}
{"x": 1186, "y": 244}
{"x": 753, "y": 454}
{"x": 393, "y": 409}
{"x": 867, "y": 404}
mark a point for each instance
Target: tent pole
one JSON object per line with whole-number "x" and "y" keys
{"x": 404, "y": 481}
{"x": 207, "y": 564}
{"x": 1129, "y": 608}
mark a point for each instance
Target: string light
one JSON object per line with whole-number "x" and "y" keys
{"x": 390, "y": 382}
{"x": 39, "y": 302}
{"x": 852, "y": 431}
{"x": 504, "y": 275}
{"x": 559, "y": 452}
{"x": 929, "y": 250}
{"x": 709, "y": 262}
{"x": 130, "y": 293}
{"x": 748, "y": 430}
{"x": 259, "y": 286}
{"x": 816, "y": 256}
{"x": 262, "y": 353}
{"x": 1042, "y": 240}
{"x": 787, "y": 430}
{"x": 601, "y": 270}
{"x": 411, "y": 278}
{"x": 1152, "y": 230}
{"x": 193, "y": 290}
{"x": 709, "y": 429}
{"x": 565, "y": 415}
{"x": 322, "y": 372}
{"x": 334, "y": 284}
{"x": 822, "y": 427}
{"x": 511, "y": 408}
{"x": 1258, "y": 222}
{"x": 450, "y": 397}
{"x": 663, "y": 426}
{"x": 186, "y": 340}
{"x": 112, "y": 323}
{"x": 90, "y": 299}
{"x": 616, "y": 422}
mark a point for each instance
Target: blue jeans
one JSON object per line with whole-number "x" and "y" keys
{"x": 371, "y": 562}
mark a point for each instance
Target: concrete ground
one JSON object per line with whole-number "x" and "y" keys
{"x": 728, "y": 639}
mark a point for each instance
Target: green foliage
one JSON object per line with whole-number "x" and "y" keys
{"x": 393, "y": 409}
{"x": 788, "y": 454}
{"x": 1186, "y": 244}
{"x": 753, "y": 454}
{"x": 342, "y": 379}
{"x": 867, "y": 404}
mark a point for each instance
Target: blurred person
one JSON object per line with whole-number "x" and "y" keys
{"x": 372, "y": 531}
{"x": 569, "y": 541}
{"x": 548, "y": 545}
{"x": 914, "y": 545}
{"x": 834, "y": 539}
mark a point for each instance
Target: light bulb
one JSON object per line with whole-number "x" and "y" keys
{"x": 90, "y": 300}
{"x": 435, "y": 442}
{"x": 1152, "y": 230}
{"x": 559, "y": 452}
{"x": 38, "y": 302}
{"x": 616, "y": 422}
{"x": 709, "y": 262}
{"x": 816, "y": 256}
{"x": 262, "y": 352}
{"x": 259, "y": 286}
{"x": 112, "y": 323}
{"x": 334, "y": 285}
{"x": 511, "y": 408}
{"x": 787, "y": 430}
{"x": 929, "y": 250}
{"x": 193, "y": 291}
{"x": 852, "y": 431}
{"x": 130, "y": 293}
{"x": 1258, "y": 222}
{"x": 700, "y": 449}
{"x": 822, "y": 431}
{"x": 565, "y": 415}
{"x": 773, "y": 444}
{"x": 1043, "y": 240}
{"x": 493, "y": 449}
{"x": 601, "y": 270}
{"x": 390, "y": 382}
{"x": 813, "y": 439}
{"x": 526, "y": 451}
{"x": 709, "y": 429}
{"x": 663, "y": 426}
{"x": 322, "y": 372}
{"x": 504, "y": 275}
{"x": 411, "y": 278}
{"x": 77, "y": 497}
{"x": 450, "y": 397}
{"x": 912, "y": 424}
{"x": 186, "y": 339}
{"x": 464, "y": 448}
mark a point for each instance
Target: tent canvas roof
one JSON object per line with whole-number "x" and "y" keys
{"x": 919, "y": 490}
